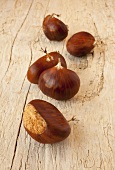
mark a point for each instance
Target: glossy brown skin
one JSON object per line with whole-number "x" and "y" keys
{"x": 59, "y": 84}
{"x": 80, "y": 44}
{"x": 42, "y": 64}
{"x": 57, "y": 126}
{"x": 54, "y": 29}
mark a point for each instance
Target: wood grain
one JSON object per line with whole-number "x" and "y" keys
{"x": 91, "y": 144}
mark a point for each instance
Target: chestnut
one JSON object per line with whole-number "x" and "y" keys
{"x": 43, "y": 63}
{"x": 80, "y": 44}
{"x": 44, "y": 122}
{"x": 54, "y": 29}
{"x": 59, "y": 83}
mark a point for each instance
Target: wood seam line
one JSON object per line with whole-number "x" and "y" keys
{"x": 28, "y": 88}
{"x": 19, "y": 129}
{"x": 22, "y": 84}
{"x": 10, "y": 59}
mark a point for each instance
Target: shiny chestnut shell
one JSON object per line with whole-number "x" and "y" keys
{"x": 45, "y": 123}
{"x": 54, "y": 29}
{"x": 59, "y": 84}
{"x": 80, "y": 44}
{"x": 43, "y": 63}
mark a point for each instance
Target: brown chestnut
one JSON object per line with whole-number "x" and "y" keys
{"x": 43, "y": 63}
{"x": 45, "y": 123}
{"x": 59, "y": 83}
{"x": 80, "y": 44}
{"x": 54, "y": 29}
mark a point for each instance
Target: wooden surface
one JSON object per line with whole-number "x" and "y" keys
{"x": 91, "y": 144}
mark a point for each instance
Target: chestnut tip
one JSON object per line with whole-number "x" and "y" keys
{"x": 57, "y": 15}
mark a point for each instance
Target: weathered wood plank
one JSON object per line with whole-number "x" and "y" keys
{"x": 15, "y": 61}
{"x": 91, "y": 143}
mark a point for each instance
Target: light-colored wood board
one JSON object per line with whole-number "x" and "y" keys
{"x": 91, "y": 142}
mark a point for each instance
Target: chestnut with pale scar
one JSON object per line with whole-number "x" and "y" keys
{"x": 33, "y": 120}
{"x": 45, "y": 123}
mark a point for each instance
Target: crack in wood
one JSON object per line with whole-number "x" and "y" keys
{"x": 20, "y": 167}
{"x": 19, "y": 129}
{"x": 2, "y": 30}
{"x": 92, "y": 55}
{"x": 26, "y": 163}
{"x": 101, "y": 82}
{"x": 38, "y": 158}
{"x": 101, "y": 157}
{"x": 10, "y": 59}
{"x": 23, "y": 110}
{"x": 86, "y": 161}
{"x": 95, "y": 26}
{"x": 106, "y": 136}
{"x": 96, "y": 91}
{"x": 53, "y": 158}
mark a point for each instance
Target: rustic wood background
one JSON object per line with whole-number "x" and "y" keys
{"x": 91, "y": 144}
